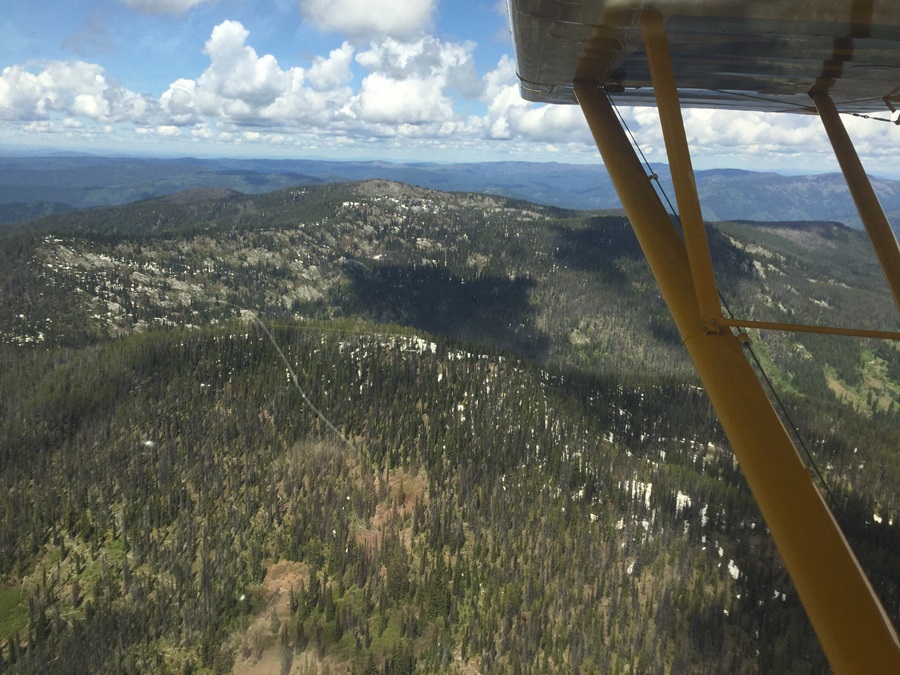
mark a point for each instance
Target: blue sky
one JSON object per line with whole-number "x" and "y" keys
{"x": 426, "y": 80}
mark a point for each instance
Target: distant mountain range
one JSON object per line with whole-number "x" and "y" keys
{"x": 34, "y": 186}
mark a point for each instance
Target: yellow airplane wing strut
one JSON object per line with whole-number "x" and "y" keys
{"x": 855, "y": 632}
{"x": 696, "y": 244}
{"x": 870, "y": 211}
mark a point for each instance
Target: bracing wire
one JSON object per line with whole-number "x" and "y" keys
{"x": 872, "y": 117}
{"x": 758, "y": 97}
{"x": 794, "y": 104}
{"x": 650, "y": 173}
{"x": 294, "y": 379}
{"x": 785, "y": 415}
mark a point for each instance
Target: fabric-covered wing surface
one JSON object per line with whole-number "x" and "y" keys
{"x": 738, "y": 54}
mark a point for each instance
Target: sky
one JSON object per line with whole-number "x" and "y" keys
{"x": 396, "y": 80}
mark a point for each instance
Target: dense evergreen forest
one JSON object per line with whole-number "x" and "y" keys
{"x": 525, "y": 477}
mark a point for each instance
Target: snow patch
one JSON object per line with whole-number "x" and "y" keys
{"x": 638, "y": 489}
{"x": 733, "y": 570}
{"x": 682, "y": 501}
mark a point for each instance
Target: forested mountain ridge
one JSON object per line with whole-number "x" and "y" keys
{"x": 560, "y": 286}
{"x": 44, "y": 184}
{"x": 463, "y": 264}
{"x": 174, "y": 505}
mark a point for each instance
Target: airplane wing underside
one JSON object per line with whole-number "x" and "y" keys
{"x": 738, "y": 54}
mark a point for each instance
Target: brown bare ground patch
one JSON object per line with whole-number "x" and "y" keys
{"x": 403, "y": 490}
{"x": 260, "y": 652}
{"x": 281, "y": 577}
{"x": 368, "y": 538}
{"x": 809, "y": 238}
{"x": 842, "y": 392}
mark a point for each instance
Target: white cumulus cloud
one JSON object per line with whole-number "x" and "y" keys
{"x": 164, "y": 130}
{"x": 402, "y": 19}
{"x": 236, "y": 72}
{"x": 93, "y": 106}
{"x": 410, "y": 100}
{"x": 424, "y": 57}
{"x": 164, "y": 6}
{"x": 734, "y": 133}
{"x": 248, "y": 89}
{"x": 179, "y": 101}
{"x": 202, "y": 132}
{"x": 26, "y": 94}
{"x": 510, "y": 117}
{"x": 411, "y": 82}
{"x": 76, "y": 88}
{"x": 333, "y": 71}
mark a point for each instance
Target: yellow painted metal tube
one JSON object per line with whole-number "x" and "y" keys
{"x": 853, "y": 628}
{"x": 876, "y": 223}
{"x": 669, "y": 107}
{"x": 822, "y": 330}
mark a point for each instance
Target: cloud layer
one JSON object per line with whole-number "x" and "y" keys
{"x": 75, "y": 89}
{"x": 399, "y": 19}
{"x": 390, "y": 84}
{"x": 165, "y": 6}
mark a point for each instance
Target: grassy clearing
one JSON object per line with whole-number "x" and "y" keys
{"x": 13, "y": 610}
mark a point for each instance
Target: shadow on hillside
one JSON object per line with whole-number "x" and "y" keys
{"x": 490, "y": 310}
{"x": 608, "y": 239}
{"x": 597, "y": 247}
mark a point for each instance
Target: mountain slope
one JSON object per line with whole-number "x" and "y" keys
{"x": 560, "y": 286}
{"x": 482, "y": 268}
{"x": 725, "y": 194}
{"x": 537, "y": 485}
{"x": 488, "y": 514}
